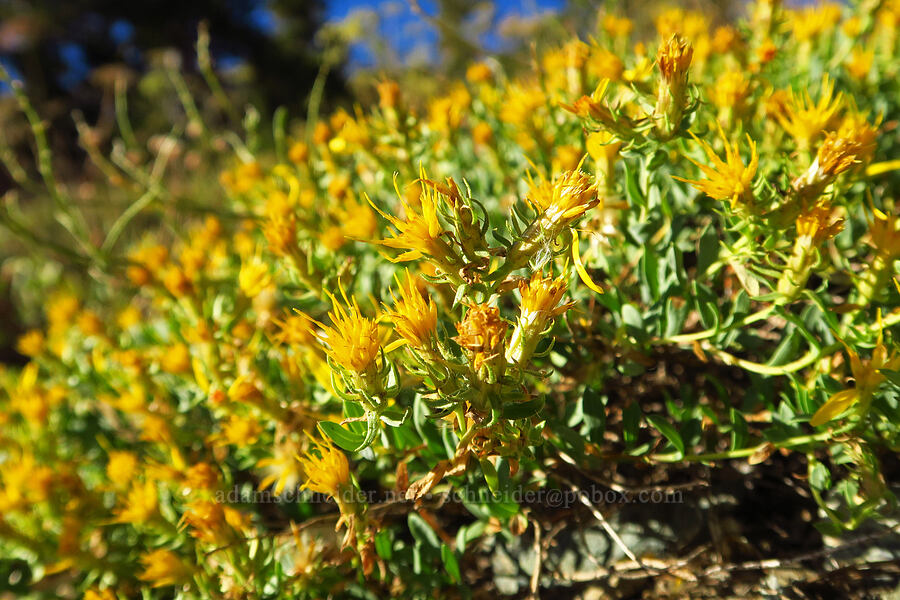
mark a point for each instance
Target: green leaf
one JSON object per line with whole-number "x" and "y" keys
{"x": 652, "y": 270}
{"x": 631, "y": 422}
{"x": 346, "y": 440}
{"x": 674, "y": 317}
{"x": 450, "y": 563}
{"x": 522, "y": 410}
{"x": 394, "y": 417}
{"x": 707, "y": 249}
{"x": 422, "y": 531}
{"x": 893, "y": 377}
{"x": 819, "y": 477}
{"x": 706, "y": 306}
{"x": 593, "y": 409}
{"x": 383, "y": 544}
{"x": 668, "y": 430}
{"x": 490, "y": 475}
{"x": 632, "y": 189}
{"x": 634, "y": 322}
{"x": 738, "y": 429}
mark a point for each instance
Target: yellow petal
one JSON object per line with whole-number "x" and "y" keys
{"x": 835, "y": 405}
{"x": 579, "y": 266}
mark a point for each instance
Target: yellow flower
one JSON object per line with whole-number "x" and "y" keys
{"x": 128, "y": 317}
{"x": 673, "y": 58}
{"x": 867, "y": 377}
{"x": 121, "y": 467}
{"x": 31, "y": 343}
{"x": 814, "y": 20}
{"x": 326, "y": 469}
{"x": 564, "y": 199}
{"x": 332, "y": 238}
{"x": 414, "y": 315}
{"x": 140, "y": 504}
{"x": 540, "y": 303}
{"x": 281, "y": 235}
{"x": 241, "y": 431}
{"x": 560, "y": 202}
{"x": 176, "y": 359}
{"x": 805, "y": 120}
{"x": 358, "y": 222}
{"x": 617, "y": 26}
{"x": 299, "y": 153}
{"x": 23, "y": 482}
{"x": 730, "y": 91}
{"x": 604, "y": 64}
{"x": 98, "y": 594}
{"x": 854, "y": 126}
{"x": 445, "y": 114}
{"x": 352, "y": 341}
{"x": 884, "y": 235}
{"x": 201, "y": 477}
{"x": 602, "y": 145}
{"x": 419, "y": 234}
{"x": 814, "y": 227}
{"x": 388, "y": 93}
{"x": 213, "y": 523}
{"x": 689, "y": 23}
{"x": 860, "y": 63}
{"x": 282, "y": 468}
{"x": 479, "y": 73}
{"x": 164, "y": 568}
{"x": 727, "y": 179}
{"x": 294, "y": 330}
{"x": 254, "y": 276}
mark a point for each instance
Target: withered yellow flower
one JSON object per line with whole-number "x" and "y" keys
{"x": 836, "y": 155}
{"x": 482, "y": 333}
{"x": 326, "y": 469}
{"x": 727, "y": 179}
{"x": 674, "y": 58}
{"x": 818, "y": 224}
{"x": 414, "y": 314}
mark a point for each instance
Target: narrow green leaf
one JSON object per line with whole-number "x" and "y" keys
{"x": 668, "y": 430}
{"x": 450, "y": 563}
{"x": 346, "y": 440}
{"x": 422, "y": 531}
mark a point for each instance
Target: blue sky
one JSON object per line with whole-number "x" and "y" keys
{"x": 400, "y": 20}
